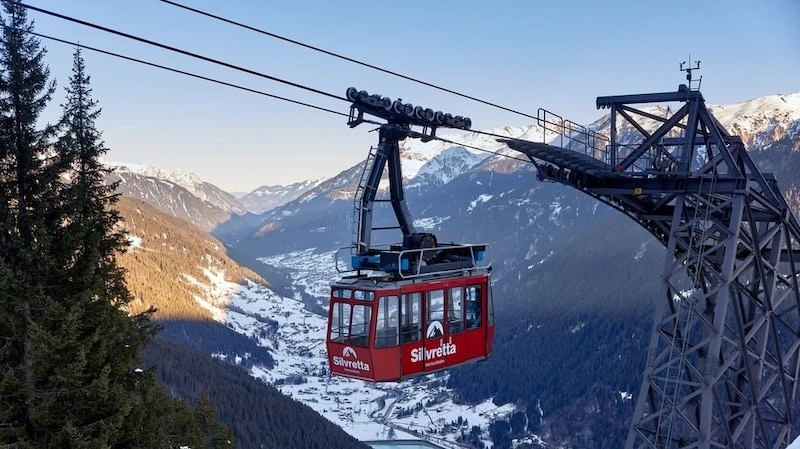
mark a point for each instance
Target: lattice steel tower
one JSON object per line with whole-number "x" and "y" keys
{"x": 723, "y": 363}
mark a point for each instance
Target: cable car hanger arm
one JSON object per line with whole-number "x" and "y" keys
{"x": 399, "y": 118}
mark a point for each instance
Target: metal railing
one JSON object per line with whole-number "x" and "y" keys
{"x": 480, "y": 258}
{"x": 567, "y": 134}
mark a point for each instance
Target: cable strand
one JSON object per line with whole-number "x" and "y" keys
{"x": 340, "y": 56}
{"x": 183, "y": 52}
{"x": 183, "y": 72}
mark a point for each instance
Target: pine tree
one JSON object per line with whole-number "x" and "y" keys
{"x": 95, "y": 349}
{"x": 27, "y": 212}
{"x": 131, "y": 406}
{"x": 213, "y": 435}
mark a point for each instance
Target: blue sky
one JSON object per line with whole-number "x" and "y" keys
{"x": 558, "y": 55}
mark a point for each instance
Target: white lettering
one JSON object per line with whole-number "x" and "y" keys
{"x": 444, "y": 349}
{"x": 353, "y": 364}
{"x": 434, "y": 363}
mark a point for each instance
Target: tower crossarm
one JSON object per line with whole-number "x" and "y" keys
{"x": 655, "y": 155}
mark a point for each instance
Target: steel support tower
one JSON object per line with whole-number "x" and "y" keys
{"x": 722, "y": 365}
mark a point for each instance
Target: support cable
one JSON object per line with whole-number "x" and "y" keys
{"x": 364, "y": 64}
{"x": 260, "y": 74}
{"x": 183, "y": 72}
{"x": 183, "y": 52}
{"x": 252, "y": 72}
{"x": 337, "y": 55}
{"x": 255, "y": 91}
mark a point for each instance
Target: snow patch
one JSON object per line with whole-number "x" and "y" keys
{"x": 134, "y": 242}
{"x": 480, "y": 199}
{"x": 640, "y": 252}
{"x": 429, "y": 223}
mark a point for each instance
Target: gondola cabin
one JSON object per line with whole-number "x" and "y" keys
{"x": 387, "y": 331}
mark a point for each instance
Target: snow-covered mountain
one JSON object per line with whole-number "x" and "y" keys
{"x": 770, "y": 128}
{"x": 763, "y": 120}
{"x": 185, "y": 196}
{"x": 438, "y": 162}
{"x": 190, "y": 181}
{"x": 326, "y": 210}
{"x": 265, "y": 198}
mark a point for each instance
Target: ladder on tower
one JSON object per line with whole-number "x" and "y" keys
{"x": 357, "y": 201}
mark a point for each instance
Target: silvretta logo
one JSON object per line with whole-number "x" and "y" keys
{"x": 445, "y": 348}
{"x": 435, "y": 330}
{"x": 345, "y": 362}
{"x": 434, "y": 356}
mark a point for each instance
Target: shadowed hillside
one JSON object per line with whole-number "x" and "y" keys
{"x": 259, "y": 415}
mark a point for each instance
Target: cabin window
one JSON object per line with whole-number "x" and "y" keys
{"x": 363, "y": 295}
{"x": 455, "y": 310}
{"x": 434, "y": 326}
{"x": 473, "y": 308}
{"x": 490, "y": 308}
{"x": 340, "y": 322}
{"x": 342, "y": 293}
{"x": 387, "y": 325}
{"x": 359, "y": 328}
{"x": 410, "y": 317}
{"x": 350, "y": 324}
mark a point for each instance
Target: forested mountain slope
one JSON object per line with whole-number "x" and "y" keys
{"x": 259, "y": 415}
{"x": 165, "y": 253}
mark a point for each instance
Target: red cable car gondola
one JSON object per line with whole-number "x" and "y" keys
{"x": 416, "y": 307}
{"x": 385, "y": 329}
